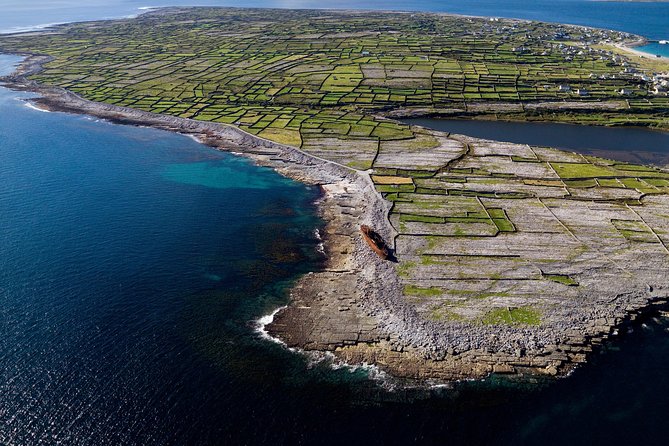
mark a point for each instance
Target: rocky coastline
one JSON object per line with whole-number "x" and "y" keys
{"x": 355, "y": 307}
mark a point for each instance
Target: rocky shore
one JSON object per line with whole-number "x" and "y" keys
{"x": 356, "y": 308}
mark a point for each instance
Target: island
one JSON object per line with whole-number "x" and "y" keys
{"x": 506, "y": 258}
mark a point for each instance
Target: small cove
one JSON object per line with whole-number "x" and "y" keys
{"x": 655, "y": 48}
{"x": 628, "y": 144}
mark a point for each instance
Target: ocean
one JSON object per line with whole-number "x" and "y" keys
{"x": 134, "y": 263}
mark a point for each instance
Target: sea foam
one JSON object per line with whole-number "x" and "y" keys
{"x": 34, "y": 107}
{"x": 263, "y": 322}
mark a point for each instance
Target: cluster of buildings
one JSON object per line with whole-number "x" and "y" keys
{"x": 573, "y": 45}
{"x": 660, "y": 84}
{"x": 657, "y": 84}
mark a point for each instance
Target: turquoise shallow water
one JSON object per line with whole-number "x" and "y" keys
{"x": 655, "y": 48}
{"x": 230, "y": 175}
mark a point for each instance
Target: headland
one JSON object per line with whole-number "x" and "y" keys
{"x": 511, "y": 258}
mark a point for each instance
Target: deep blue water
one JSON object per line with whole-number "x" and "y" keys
{"x": 132, "y": 264}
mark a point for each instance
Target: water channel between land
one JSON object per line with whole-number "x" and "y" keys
{"x": 629, "y": 144}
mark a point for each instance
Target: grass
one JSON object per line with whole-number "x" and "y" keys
{"x": 288, "y": 137}
{"x": 639, "y": 185}
{"x": 478, "y": 294}
{"x": 379, "y": 179}
{"x": 421, "y": 218}
{"x": 413, "y": 290}
{"x": 504, "y": 225}
{"x": 395, "y": 187}
{"x": 657, "y": 182}
{"x": 444, "y": 314}
{"x": 404, "y": 268}
{"x": 512, "y": 316}
{"x": 576, "y": 170}
{"x": 650, "y": 64}
{"x": 590, "y": 182}
{"x": 427, "y": 260}
{"x": 609, "y": 183}
{"x": 560, "y": 278}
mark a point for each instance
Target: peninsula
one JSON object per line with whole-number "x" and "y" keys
{"x": 510, "y": 258}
